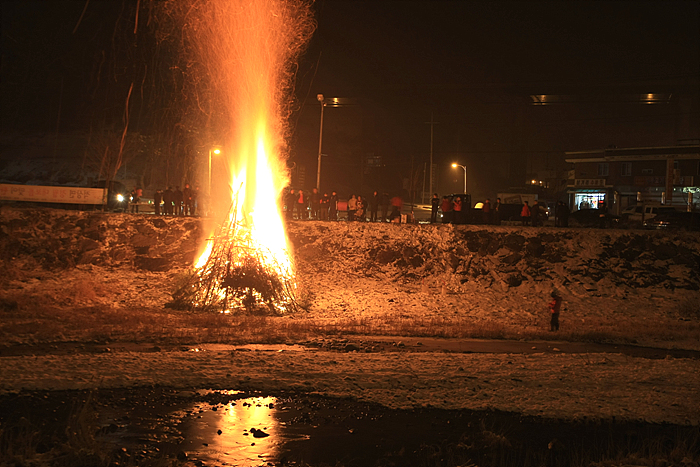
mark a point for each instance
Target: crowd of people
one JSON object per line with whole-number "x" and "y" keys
{"x": 380, "y": 207}
{"x": 536, "y": 214}
{"x": 171, "y": 202}
{"x": 303, "y": 205}
{"x": 456, "y": 210}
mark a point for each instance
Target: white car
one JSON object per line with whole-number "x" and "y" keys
{"x": 635, "y": 213}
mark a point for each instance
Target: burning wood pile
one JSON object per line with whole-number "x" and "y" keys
{"x": 238, "y": 274}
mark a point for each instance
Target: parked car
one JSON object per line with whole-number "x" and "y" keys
{"x": 642, "y": 212}
{"x": 674, "y": 220}
{"x": 593, "y": 218}
{"x": 117, "y": 195}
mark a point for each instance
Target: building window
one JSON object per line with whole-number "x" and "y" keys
{"x": 626, "y": 169}
{"x": 603, "y": 169}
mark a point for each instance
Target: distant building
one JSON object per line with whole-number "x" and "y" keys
{"x": 621, "y": 177}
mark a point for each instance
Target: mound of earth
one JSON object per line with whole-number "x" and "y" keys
{"x": 376, "y": 273}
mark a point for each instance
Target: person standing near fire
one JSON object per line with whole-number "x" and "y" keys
{"x": 486, "y": 211}
{"x": 290, "y": 200}
{"x": 168, "y": 202}
{"x": 136, "y": 194}
{"x": 178, "y": 197}
{"x": 396, "y": 208}
{"x": 361, "y": 212}
{"x": 457, "y": 210}
{"x": 352, "y": 208}
{"x": 374, "y": 207}
{"x": 301, "y": 205}
{"x": 157, "y": 199}
{"x": 323, "y": 207}
{"x": 525, "y": 214}
{"x": 187, "y": 199}
{"x": 385, "y": 206}
{"x": 434, "y": 205}
{"x": 315, "y": 200}
{"x": 195, "y": 200}
{"x": 555, "y": 308}
{"x": 333, "y": 207}
{"x": 535, "y": 214}
{"x": 497, "y": 212}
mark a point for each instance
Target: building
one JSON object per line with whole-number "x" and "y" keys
{"x": 620, "y": 177}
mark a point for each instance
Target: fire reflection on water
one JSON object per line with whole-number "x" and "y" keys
{"x": 243, "y": 432}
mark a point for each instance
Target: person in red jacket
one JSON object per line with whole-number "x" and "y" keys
{"x": 555, "y": 308}
{"x": 301, "y": 205}
{"x": 486, "y": 211}
{"x": 525, "y": 214}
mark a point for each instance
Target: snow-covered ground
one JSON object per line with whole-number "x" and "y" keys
{"x": 566, "y": 386}
{"x": 382, "y": 275}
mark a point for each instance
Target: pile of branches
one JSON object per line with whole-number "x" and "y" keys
{"x": 239, "y": 275}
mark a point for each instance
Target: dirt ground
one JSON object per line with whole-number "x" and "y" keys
{"x": 426, "y": 279}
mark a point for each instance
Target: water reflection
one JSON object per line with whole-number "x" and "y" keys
{"x": 242, "y": 432}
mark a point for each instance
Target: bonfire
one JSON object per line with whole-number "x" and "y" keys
{"x": 241, "y": 56}
{"x": 237, "y": 272}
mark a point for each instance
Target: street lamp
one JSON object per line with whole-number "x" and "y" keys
{"x": 454, "y": 166}
{"x": 328, "y": 102}
{"x": 320, "y": 142}
{"x": 216, "y": 150}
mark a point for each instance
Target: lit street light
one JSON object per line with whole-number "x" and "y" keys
{"x": 320, "y": 142}
{"x": 216, "y": 150}
{"x": 454, "y": 166}
{"x": 330, "y": 102}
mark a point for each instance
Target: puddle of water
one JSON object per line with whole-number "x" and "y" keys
{"x": 256, "y": 347}
{"x": 243, "y": 432}
{"x": 218, "y": 427}
{"x": 140, "y": 426}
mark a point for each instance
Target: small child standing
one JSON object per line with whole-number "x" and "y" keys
{"x": 555, "y": 307}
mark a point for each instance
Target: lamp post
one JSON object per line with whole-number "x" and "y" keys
{"x": 454, "y": 166}
{"x": 217, "y": 151}
{"x": 320, "y": 142}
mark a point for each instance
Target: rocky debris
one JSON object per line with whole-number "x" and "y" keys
{"x": 377, "y": 273}
{"x": 257, "y": 433}
{"x": 58, "y": 239}
{"x": 504, "y": 256}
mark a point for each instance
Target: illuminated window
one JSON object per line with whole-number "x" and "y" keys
{"x": 626, "y": 169}
{"x": 603, "y": 169}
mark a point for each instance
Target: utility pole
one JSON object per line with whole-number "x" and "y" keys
{"x": 422, "y": 198}
{"x": 432, "y": 123}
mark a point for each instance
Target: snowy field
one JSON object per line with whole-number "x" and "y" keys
{"x": 382, "y": 277}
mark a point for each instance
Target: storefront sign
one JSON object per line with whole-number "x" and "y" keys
{"x": 660, "y": 180}
{"x": 590, "y": 182}
{"x": 53, "y": 194}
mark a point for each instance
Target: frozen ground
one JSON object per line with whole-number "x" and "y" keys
{"x": 381, "y": 275}
{"x": 565, "y": 386}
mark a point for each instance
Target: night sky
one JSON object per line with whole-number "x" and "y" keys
{"x": 472, "y": 65}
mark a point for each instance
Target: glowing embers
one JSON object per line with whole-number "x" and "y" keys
{"x": 238, "y": 273}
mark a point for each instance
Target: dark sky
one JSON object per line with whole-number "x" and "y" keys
{"x": 393, "y": 47}
{"x": 473, "y": 64}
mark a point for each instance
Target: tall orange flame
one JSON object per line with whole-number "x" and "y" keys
{"x": 246, "y": 49}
